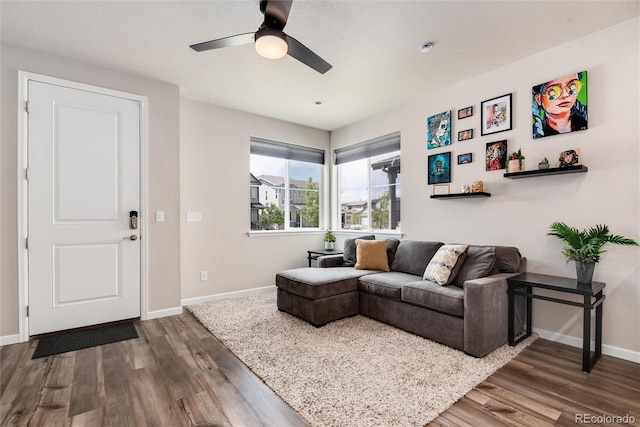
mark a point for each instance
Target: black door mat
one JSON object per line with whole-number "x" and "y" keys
{"x": 77, "y": 340}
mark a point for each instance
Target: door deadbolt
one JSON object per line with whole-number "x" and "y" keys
{"x": 133, "y": 220}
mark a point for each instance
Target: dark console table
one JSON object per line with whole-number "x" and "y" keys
{"x": 524, "y": 285}
{"x": 317, "y": 253}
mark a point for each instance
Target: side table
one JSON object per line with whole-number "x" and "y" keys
{"x": 524, "y": 285}
{"x": 317, "y": 253}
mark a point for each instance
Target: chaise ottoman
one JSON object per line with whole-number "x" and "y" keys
{"x": 319, "y": 295}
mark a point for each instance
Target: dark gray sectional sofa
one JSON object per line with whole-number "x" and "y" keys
{"x": 470, "y": 314}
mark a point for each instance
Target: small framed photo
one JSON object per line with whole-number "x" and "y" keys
{"x": 463, "y": 113}
{"x": 464, "y": 135}
{"x": 441, "y": 189}
{"x": 465, "y": 158}
{"x": 439, "y": 168}
{"x": 496, "y": 155}
{"x": 570, "y": 158}
{"x": 496, "y": 115}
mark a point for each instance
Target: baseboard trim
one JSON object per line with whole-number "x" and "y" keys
{"x": 609, "y": 350}
{"x": 9, "y": 339}
{"x": 225, "y": 295}
{"x": 174, "y": 311}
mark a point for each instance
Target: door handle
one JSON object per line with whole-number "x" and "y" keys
{"x": 132, "y": 237}
{"x": 133, "y": 220}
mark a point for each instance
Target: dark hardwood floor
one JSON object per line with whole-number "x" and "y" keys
{"x": 178, "y": 374}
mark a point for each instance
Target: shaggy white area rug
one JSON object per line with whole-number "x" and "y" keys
{"x": 352, "y": 372}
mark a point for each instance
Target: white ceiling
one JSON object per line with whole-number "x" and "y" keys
{"x": 372, "y": 45}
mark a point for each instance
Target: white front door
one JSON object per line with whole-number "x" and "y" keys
{"x": 84, "y": 264}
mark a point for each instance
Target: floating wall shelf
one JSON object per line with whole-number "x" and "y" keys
{"x": 460, "y": 195}
{"x": 542, "y": 172}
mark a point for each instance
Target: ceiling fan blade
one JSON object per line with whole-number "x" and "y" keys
{"x": 306, "y": 56}
{"x": 276, "y": 12}
{"x": 236, "y": 40}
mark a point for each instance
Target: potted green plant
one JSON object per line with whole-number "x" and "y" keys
{"x": 516, "y": 161}
{"x": 585, "y": 247}
{"x": 329, "y": 240}
{"x": 544, "y": 163}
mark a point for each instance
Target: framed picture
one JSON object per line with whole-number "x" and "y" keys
{"x": 496, "y": 115}
{"x": 465, "y": 158}
{"x": 496, "y": 155}
{"x": 439, "y": 130}
{"x": 463, "y": 113}
{"x": 441, "y": 189}
{"x": 566, "y": 99}
{"x": 439, "y": 168}
{"x": 463, "y": 135}
{"x": 570, "y": 158}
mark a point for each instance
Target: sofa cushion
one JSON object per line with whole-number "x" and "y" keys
{"x": 445, "y": 264}
{"x": 392, "y": 248}
{"x": 480, "y": 262}
{"x": 387, "y": 285}
{"x": 314, "y": 283}
{"x": 349, "y": 251}
{"x": 447, "y": 299}
{"x": 508, "y": 259}
{"x": 372, "y": 255}
{"x": 412, "y": 256}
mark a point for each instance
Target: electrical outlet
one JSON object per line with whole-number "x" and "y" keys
{"x": 204, "y": 275}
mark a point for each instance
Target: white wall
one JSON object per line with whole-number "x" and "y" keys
{"x": 214, "y": 163}
{"x": 520, "y": 211}
{"x": 162, "y": 172}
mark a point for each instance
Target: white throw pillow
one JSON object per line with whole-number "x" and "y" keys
{"x": 441, "y": 266}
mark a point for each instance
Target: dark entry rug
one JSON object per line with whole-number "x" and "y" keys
{"x": 77, "y": 340}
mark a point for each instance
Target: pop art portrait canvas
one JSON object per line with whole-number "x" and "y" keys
{"x": 496, "y": 155}
{"x": 560, "y": 105}
{"x": 439, "y": 130}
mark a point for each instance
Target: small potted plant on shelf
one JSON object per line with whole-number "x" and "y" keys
{"x": 516, "y": 161}
{"x": 585, "y": 247}
{"x": 544, "y": 163}
{"x": 329, "y": 240}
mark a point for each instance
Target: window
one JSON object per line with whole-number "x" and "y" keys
{"x": 287, "y": 183}
{"x": 369, "y": 184}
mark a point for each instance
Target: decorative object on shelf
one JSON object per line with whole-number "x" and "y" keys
{"x": 464, "y": 135}
{"x": 516, "y": 161}
{"x": 477, "y": 187}
{"x": 585, "y": 247}
{"x": 544, "y": 163}
{"x": 439, "y": 130}
{"x": 439, "y": 168}
{"x": 465, "y": 158}
{"x": 463, "y": 113}
{"x": 569, "y": 158}
{"x": 466, "y": 189}
{"x": 496, "y": 155}
{"x": 440, "y": 189}
{"x": 496, "y": 115}
{"x": 329, "y": 240}
{"x": 560, "y": 105}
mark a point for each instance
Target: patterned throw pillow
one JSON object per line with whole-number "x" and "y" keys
{"x": 371, "y": 255}
{"x": 441, "y": 266}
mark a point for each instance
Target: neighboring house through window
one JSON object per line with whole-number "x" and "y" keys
{"x": 287, "y": 179}
{"x": 369, "y": 184}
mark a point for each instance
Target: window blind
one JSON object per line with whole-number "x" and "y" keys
{"x": 372, "y": 147}
{"x": 283, "y": 150}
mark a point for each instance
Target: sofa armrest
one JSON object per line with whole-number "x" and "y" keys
{"x": 486, "y": 313}
{"x": 326, "y": 261}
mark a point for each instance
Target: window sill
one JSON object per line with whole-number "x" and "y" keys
{"x": 280, "y": 233}
{"x": 377, "y": 233}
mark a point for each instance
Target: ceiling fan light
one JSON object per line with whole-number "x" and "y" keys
{"x": 271, "y": 45}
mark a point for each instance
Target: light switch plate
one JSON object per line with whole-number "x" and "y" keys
{"x": 194, "y": 217}
{"x": 159, "y": 216}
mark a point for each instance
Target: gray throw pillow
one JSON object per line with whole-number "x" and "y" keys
{"x": 392, "y": 247}
{"x": 480, "y": 262}
{"x": 412, "y": 256}
{"x": 508, "y": 259}
{"x": 349, "y": 251}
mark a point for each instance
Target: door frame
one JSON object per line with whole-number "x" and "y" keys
{"x": 23, "y": 219}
